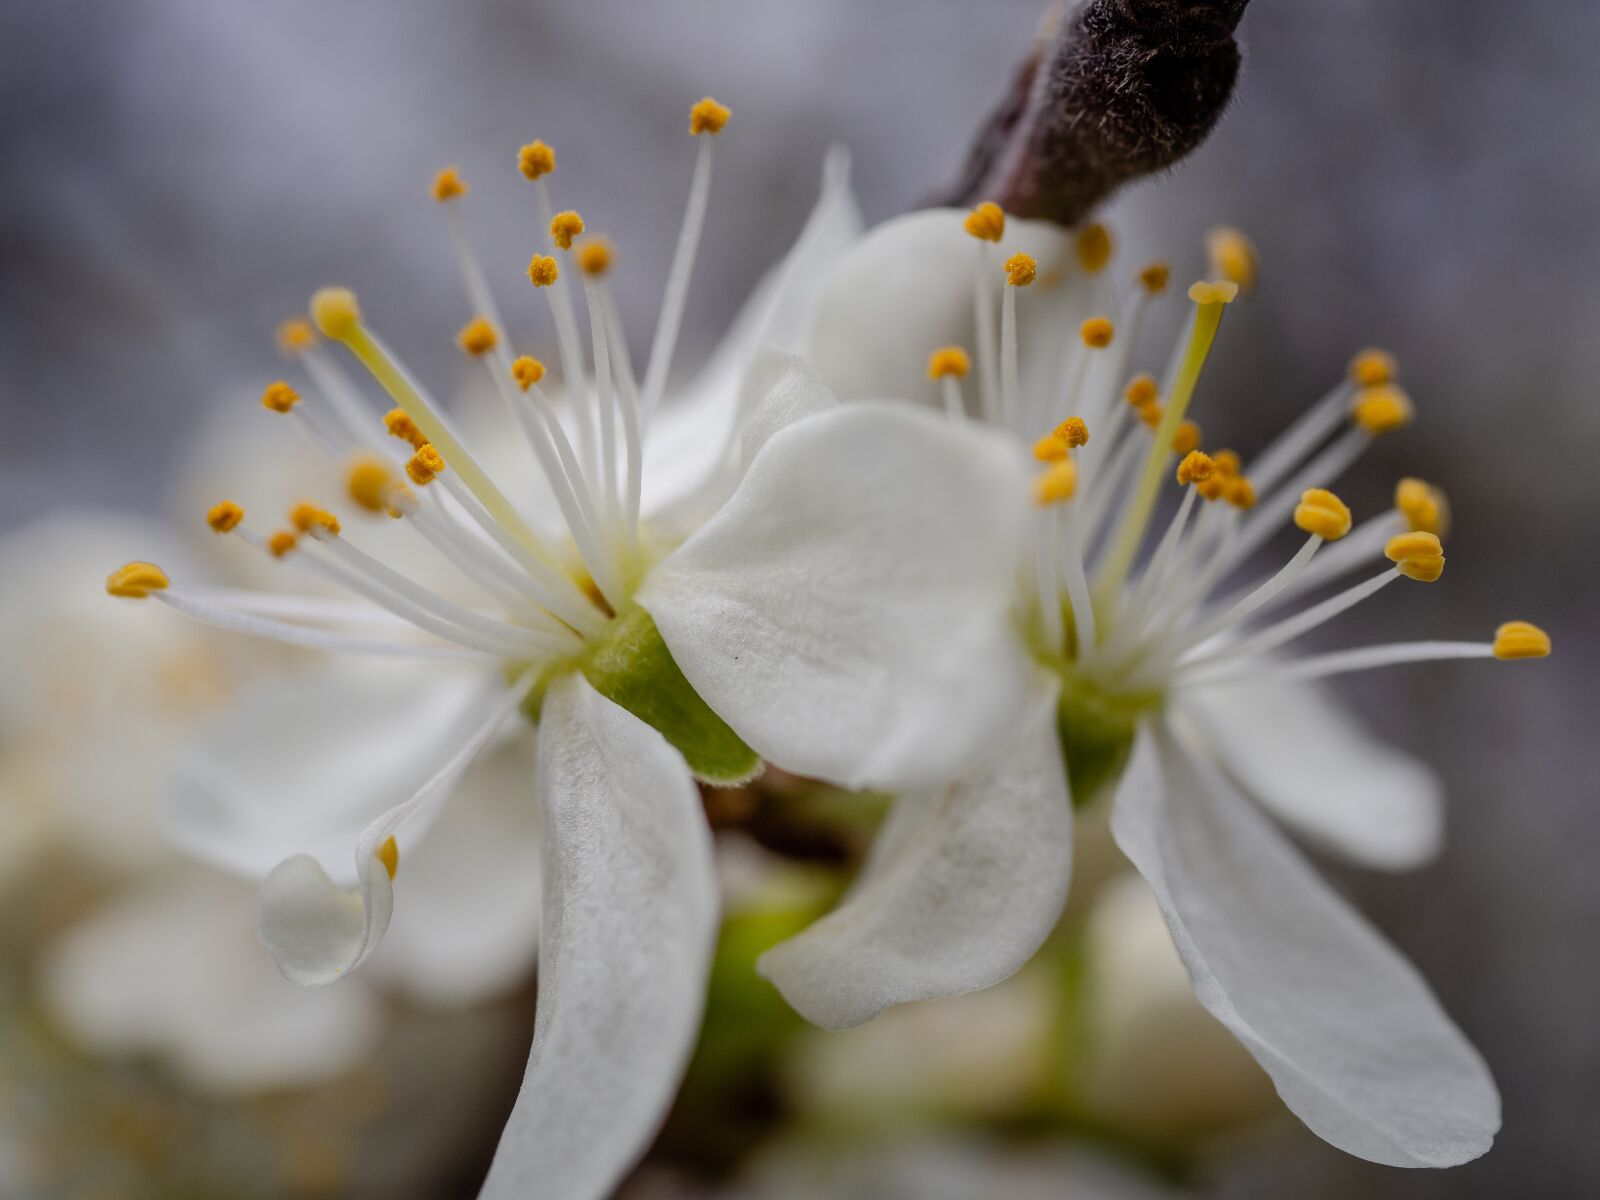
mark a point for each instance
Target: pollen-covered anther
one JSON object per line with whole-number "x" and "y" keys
{"x": 1416, "y": 555}
{"x": 1220, "y": 291}
{"x": 1322, "y": 513}
{"x": 224, "y": 516}
{"x": 1232, "y": 257}
{"x": 477, "y": 337}
{"x": 1423, "y": 506}
{"x": 1097, "y": 332}
{"x": 542, "y": 270}
{"x": 136, "y": 580}
{"x": 1141, "y": 391}
{"x": 295, "y": 336}
{"x": 1195, "y": 467}
{"x": 336, "y": 313}
{"x": 281, "y": 542}
{"x": 389, "y": 855}
{"x": 279, "y": 397}
{"x": 370, "y": 483}
{"x": 448, "y": 185}
{"x": 536, "y": 160}
{"x": 527, "y": 371}
{"x": 1519, "y": 639}
{"x": 1150, "y": 413}
{"x": 313, "y": 519}
{"x": 565, "y": 226}
{"x": 1057, "y": 484}
{"x": 986, "y": 222}
{"x": 949, "y": 362}
{"x": 1240, "y": 492}
{"x": 1154, "y": 277}
{"x": 1372, "y": 367}
{"x": 399, "y": 424}
{"x": 1186, "y": 439}
{"x": 1228, "y": 463}
{"x": 426, "y": 463}
{"x": 1074, "y": 431}
{"x": 707, "y": 116}
{"x": 594, "y": 256}
{"x": 1093, "y": 246}
{"x": 1021, "y": 270}
{"x": 1382, "y": 409}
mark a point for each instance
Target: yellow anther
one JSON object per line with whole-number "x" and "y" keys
{"x": 1518, "y": 639}
{"x": 1220, "y": 291}
{"x": 565, "y": 226}
{"x": 542, "y": 270}
{"x": 136, "y": 580}
{"x": 527, "y": 371}
{"x": 1322, "y": 513}
{"x": 1382, "y": 409}
{"x": 399, "y": 424}
{"x": 389, "y": 856}
{"x": 1021, "y": 269}
{"x": 477, "y": 337}
{"x": 987, "y": 222}
{"x": 1241, "y": 493}
{"x": 295, "y": 336}
{"x": 1196, "y": 467}
{"x": 1057, "y": 484}
{"x": 1423, "y": 570}
{"x": 279, "y": 397}
{"x": 1074, "y": 431}
{"x": 536, "y": 159}
{"x": 1372, "y": 367}
{"x": 336, "y": 312}
{"x": 1423, "y": 506}
{"x": 1412, "y": 545}
{"x": 224, "y": 517}
{"x": 1093, "y": 244}
{"x": 1150, "y": 413}
{"x": 594, "y": 256}
{"x": 707, "y": 116}
{"x": 1097, "y": 332}
{"x": 306, "y": 517}
{"x": 370, "y": 483}
{"x": 1227, "y": 462}
{"x": 1232, "y": 256}
{"x": 1153, "y": 277}
{"x": 424, "y": 464}
{"x": 1141, "y": 391}
{"x": 1215, "y": 488}
{"x": 283, "y": 541}
{"x": 949, "y": 361}
{"x": 1187, "y": 438}
{"x": 448, "y": 184}
{"x": 1050, "y": 448}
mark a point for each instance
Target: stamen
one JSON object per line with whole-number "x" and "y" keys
{"x": 1093, "y": 246}
{"x": 370, "y": 483}
{"x": 1322, "y": 514}
{"x": 1382, "y": 409}
{"x": 1187, "y": 439}
{"x": 1097, "y": 332}
{"x": 448, "y": 185}
{"x": 1153, "y": 277}
{"x": 707, "y": 116}
{"x": 136, "y": 580}
{"x": 1373, "y": 368}
{"x": 594, "y": 256}
{"x": 224, "y": 516}
{"x": 948, "y": 361}
{"x": 295, "y": 337}
{"x": 1020, "y": 272}
{"x": 527, "y": 371}
{"x": 1196, "y": 467}
{"x": 1424, "y": 506}
{"x": 477, "y": 337}
{"x": 309, "y": 518}
{"x": 542, "y": 270}
{"x": 1519, "y": 639}
{"x": 986, "y": 222}
{"x": 425, "y": 465}
{"x": 1416, "y": 555}
{"x": 1057, "y": 484}
{"x": 564, "y": 227}
{"x": 1232, "y": 256}
{"x": 279, "y": 397}
{"x": 1241, "y": 493}
{"x": 282, "y": 542}
{"x": 536, "y": 160}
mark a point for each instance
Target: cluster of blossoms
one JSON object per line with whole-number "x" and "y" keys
{"x": 790, "y": 562}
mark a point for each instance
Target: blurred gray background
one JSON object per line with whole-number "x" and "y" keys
{"x": 1424, "y": 175}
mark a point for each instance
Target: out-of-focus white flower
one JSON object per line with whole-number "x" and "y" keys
{"x": 752, "y": 572}
{"x": 1156, "y": 657}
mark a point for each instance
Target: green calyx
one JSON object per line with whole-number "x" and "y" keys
{"x": 630, "y": 665}
{"x": 1096, "y": 729}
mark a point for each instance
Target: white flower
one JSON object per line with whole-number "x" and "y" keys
{"x": 841, "y": 586}
{"x": 1158, "y": 656}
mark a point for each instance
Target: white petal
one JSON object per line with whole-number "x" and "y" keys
{"x": 789, "y": 391}
{"x": 963, "y": 884}
{"x": 906, "y": 288}
{"x": 304, "y": 762}
{"x": 847, "y": 611}
{"x": 1316, "y": 770}
{"x": 173, "y": 970}
{"x": 468, "y": 925}
{"x": 689, "y": 439}
{"x": 1355, "y": 1043}
{"x": 630, "y": 922}
{"x": 319, "y": 931}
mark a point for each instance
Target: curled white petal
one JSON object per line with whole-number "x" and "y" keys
{"x": 789, "y": 391}
{"x": 964, "y": 883}
{"x": 630, "y": 922}
{"x": 1354, "y": 1041}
